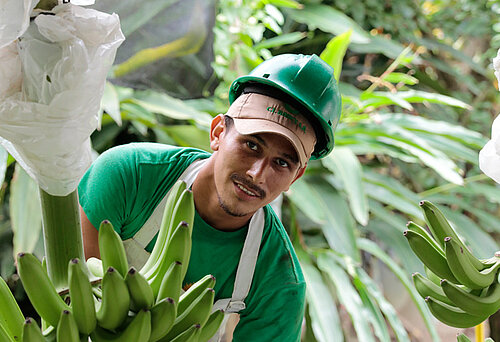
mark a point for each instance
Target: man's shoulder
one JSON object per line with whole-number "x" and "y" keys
{"x": 153, "y": 153}
{"x": 277, "y": 250}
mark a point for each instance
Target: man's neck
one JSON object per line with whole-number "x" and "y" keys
{"x": 207, "y": 203}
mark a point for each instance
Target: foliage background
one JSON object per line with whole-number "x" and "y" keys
{"x": 419, "y": 97}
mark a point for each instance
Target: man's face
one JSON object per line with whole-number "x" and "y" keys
{"x": 252, "y": 170}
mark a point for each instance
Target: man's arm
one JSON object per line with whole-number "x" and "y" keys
{"x": 90, "y": 235}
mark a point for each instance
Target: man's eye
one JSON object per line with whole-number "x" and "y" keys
{"x": 251, "y": 145}
{"x": 282, "y": 163}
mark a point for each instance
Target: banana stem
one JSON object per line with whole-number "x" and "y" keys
{"x": 479, "y": 329}
{"x": 62, "y": 234}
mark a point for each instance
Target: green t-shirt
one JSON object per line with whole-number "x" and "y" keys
{"x": 126, "y": 183}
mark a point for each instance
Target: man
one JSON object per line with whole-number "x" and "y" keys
{"x": 282, "y": 114}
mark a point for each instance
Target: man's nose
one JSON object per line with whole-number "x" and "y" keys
{"x": 257, "y": 170}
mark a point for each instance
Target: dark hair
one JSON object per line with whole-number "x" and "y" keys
{"x": 228, "y": 121}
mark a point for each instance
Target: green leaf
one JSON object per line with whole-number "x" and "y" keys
{"x": 25, "y": 212}
{"x": 416, "y": 96}
{"x": 328, "y": 19}
{"x": 322, "y": 307}
{"x": 110, "y": 103}
{"x": 284, "y": 39}
{"x": 335, "y": 50}
{"x": 189, "y": 136}
{"x": 378, "y": 44}
{"x": 347, "y": 296}
{"x": 376, "y": 251}
{"x": 4, "y": 155}
{"x": 399, "y": 77}
{"x": 171, "y": 107}
{"x": 344, "y": 164}
{"x": 308, "y": 201}
{"x": 339, "y": 228}
{"x": 284, "y": 3}
{"x": 386, "y": 307}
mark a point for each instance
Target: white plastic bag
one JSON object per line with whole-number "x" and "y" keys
{"x": 14, "y": 19}
{"x": 47, "y": 126}
{"x": 489, "y": 156}
{"x": 10, "y": 71}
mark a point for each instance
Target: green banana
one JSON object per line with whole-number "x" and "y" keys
{"x": 472, "y": 304}
{"x": 451, "y": 315}
{"x": 115, "y": 300}
{"x": 178, "y": 249}
{"x": 462, "y": 338}
{"x": 163, "y": 315}
{"x": 67, "y": 330}
{"x": 31, "y": 331}
{"x": 426, "y": 287}
{"x": 441, "y": 229}
{"x": 11, "y": 317}
{"x": 464, "y": 270}
{"x": 197, "y": 313}
{"x": 422, "y": 231}
{"x": 212, "y": 325}
{"x": 82, "y": 298}
{"x": 6, "y": 336}
{"x": 163, "y": 234}
{"x": 194, "y": 291}
{"x": 429, "y": 255}
{"x": 183, "y": 212}
{"x": 489, "y": 339}
{"x": 112, "y": 249}
{"x": 141, "y": 293}
{"x": 95, "y": 267}
{"x": 432, "y": 276}
{"x": 39, "y": 288}
{"x": 171, "y": 283}
{"x": 189, "y": 335}
{"x": 138, "y": 330}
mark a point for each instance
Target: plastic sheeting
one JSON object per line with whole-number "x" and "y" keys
{"x": 46, "y": 125}
{"x": 14, "y": 19}
{"x": 489, "y": 156}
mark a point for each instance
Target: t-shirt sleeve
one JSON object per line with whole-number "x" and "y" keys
{"x": 276, "y": 316}
{"x": 107, "y": 189}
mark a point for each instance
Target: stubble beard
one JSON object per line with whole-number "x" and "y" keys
{"x": 228, "y": 210}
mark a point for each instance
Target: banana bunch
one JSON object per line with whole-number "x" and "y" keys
{"x": 110, "y": 301}
{"x": 460, "y": 289}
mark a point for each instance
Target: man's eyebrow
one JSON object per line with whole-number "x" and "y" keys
{"x": 292, "y": 158}
{"x": 262, "y": 141}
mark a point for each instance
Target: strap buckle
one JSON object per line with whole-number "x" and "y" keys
{"x": 235, "y": 307}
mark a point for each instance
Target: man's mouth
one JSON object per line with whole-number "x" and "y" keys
{"x": 246, "y": 187}
{"x": 245, "y": 190}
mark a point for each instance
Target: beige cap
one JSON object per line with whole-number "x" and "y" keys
{"x": 256, "y": 113}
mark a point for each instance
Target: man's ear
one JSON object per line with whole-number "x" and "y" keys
{"x": 217, "y": 127}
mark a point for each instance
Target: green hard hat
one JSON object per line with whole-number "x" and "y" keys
{"x": 309, "y": 81}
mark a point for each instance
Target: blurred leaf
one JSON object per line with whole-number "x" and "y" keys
{"x": 481, "y": 243}
{"x": 376, "y": 251}
{"x": 173, "y": 108}
{"x": 339, "y": 227}
{"x": 322, "y": 308}
{"x": 284, "y": 3}
{"x": 416, "y": 96}
{"x": 378, "y": 44}
{"x": 347, "y": 296}
{"x": 399, "y": 77}
{"x": 25, "y": 212}
{"x": 190, "y": 43}
{"x": 328, "y": 19}
{"x": 335, "y": 50}
{"x": 4, "y": 155}
{"x": 344, "y": 164}
{"x": 386, "y": 307}
{"x": 189, "y": 136}
{"x": 283, "y": 39}
{"x": 110, "y": 103}
{"x": 308, "y": 201}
